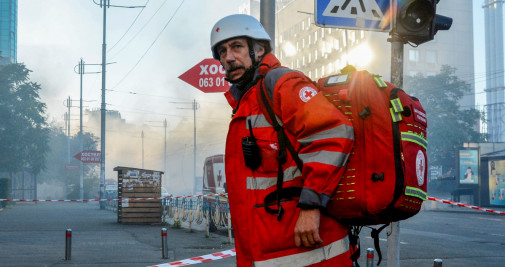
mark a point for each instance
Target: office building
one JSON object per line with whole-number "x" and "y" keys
{"x": 8, "y": 31}
{"x": 319, "y": 52}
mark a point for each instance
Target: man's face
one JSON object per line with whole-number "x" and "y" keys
{"x": 234, "y": 56}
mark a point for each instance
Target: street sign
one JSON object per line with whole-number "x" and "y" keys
{"x": 207, "y": 76}
{"x": 373, "y": 15}
{"x": 89, "y": 156}
{"x": 71, "y": 167}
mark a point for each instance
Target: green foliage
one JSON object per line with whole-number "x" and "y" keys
{"x": 449, "y": 126}
{"x": 23, "y": 132}
{"x": 58, "y": 157}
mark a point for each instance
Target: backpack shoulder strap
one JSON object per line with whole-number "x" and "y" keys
{"x": 273, "y": 76}
{"x": 266, "y": 94}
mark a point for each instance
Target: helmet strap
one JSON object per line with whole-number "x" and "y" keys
{"x": 252, "y": 54}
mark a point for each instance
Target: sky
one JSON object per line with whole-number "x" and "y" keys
{"x": 167, "y": 38}
{"x": 142, "y": 79}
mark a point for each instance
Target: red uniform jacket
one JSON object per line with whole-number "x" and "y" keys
{"x": 323, "y": 138}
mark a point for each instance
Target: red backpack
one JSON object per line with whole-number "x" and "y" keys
{"x": 386, "y": 175}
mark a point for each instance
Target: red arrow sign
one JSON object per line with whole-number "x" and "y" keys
{"x": 89, "y": 156}
{"x": 207, "y": 76}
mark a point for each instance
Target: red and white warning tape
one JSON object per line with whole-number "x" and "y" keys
{"x": 108, "y": 199}
{"x": 465, "y": 205}
{"x": 222, "y": 194}
{"x": 204, "y": 258}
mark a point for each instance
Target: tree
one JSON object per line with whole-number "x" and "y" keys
{"x": 23, "y": 131}
{"x": 449, "y": 125}
{"x": 57, "y": 158}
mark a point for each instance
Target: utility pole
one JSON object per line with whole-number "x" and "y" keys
{"x": 397, "y": 79}
{"x": 195, "y": 107}
{"x": 81, "y": 72}
{"x": 103, "y": 4}
{"x": 267, "y": 19}
{"x": 142, "y": 135}
{"x": 81, "y": 165}
{"x": 165, "y": 148}
{"x": 69, "y": 104}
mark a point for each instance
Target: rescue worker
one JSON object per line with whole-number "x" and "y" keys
{"x": 287, "y": 229}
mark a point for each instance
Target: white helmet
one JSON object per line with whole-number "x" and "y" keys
{"x": 238, "y": 25}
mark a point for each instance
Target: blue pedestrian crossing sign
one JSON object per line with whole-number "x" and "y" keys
{"x": 373, "y": 15}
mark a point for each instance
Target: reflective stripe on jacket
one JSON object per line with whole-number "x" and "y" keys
{"x": 323, "y": 138}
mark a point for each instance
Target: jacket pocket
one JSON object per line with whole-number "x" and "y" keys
{"x": 269, "y": 151}
{"x": 272, "y": 235}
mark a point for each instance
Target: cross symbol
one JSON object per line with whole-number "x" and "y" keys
{"x": 308, "y": 94}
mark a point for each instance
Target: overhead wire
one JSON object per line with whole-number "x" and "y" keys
{"x": 131, "y": 25}
{"x": 152, "y": 44}
{"x": 141, "y": 29}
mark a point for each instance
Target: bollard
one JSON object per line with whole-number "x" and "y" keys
{"x": 437, "y": 263}
{"x": 68, "y": 244}
{"x": 164, "y": 248}
{"x": 369, "y": 257}
{"x": 207, "y": 224}
{"x": 229, "y": 228}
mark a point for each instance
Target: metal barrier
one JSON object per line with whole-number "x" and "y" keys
{"x": 214, "y": 211}
{"x": 111, "y": 205}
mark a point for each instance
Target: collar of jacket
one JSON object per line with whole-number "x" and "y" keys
{"x": 234, "y": 94}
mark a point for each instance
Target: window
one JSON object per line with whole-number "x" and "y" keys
{"x": 315, "y": 36}
{"x": 414, "y": 55}
{"x": 310, "y": 55}
{"x": 303, "y": 61}
{"x": 431, "y": 56}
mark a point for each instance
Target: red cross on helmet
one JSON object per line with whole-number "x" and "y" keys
{"x": 238, "y": 25}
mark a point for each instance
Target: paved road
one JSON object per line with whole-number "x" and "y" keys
{"x": 34, "y": 235}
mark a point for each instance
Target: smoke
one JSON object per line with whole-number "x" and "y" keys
{"x": 124, "y": 144}
{"x": 51, "y": 191}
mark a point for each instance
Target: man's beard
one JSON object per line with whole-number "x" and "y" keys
{"x": 244, "y": 79}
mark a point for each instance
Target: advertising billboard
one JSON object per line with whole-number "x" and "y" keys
{"x": 496, "y": 182}
{"x": 469, "y": 166}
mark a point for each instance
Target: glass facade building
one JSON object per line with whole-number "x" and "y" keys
{"x": 8, "y": 31}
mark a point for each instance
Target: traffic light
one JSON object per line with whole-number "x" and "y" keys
{"x": 417, "y": 21}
